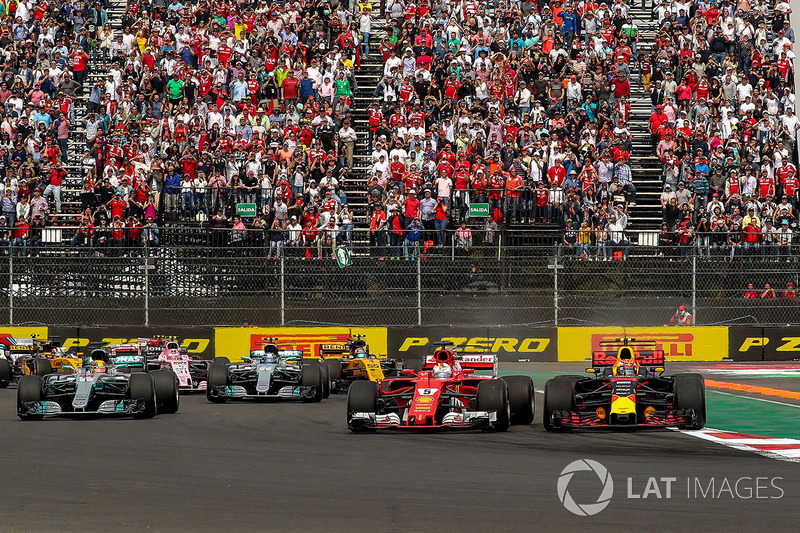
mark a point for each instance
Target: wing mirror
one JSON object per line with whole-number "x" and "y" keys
{"x": 658, "y": 369}
{"x": 591, "y": 371}
{"x": 468, "y": 371}
{"x": 67, "y": 367}
{"x": 407, "y": 372}
{"x": 246, "y": 359}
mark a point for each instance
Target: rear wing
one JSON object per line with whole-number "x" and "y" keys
{"x": 474, "y": 362}
{"x": 643, "y": 357}
{"x": 125, "y": 349}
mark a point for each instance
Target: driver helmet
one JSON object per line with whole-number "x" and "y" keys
{"x": 361, "y": 353}
{"x": 98, "y": 367}
{"x": 442, "y": 371}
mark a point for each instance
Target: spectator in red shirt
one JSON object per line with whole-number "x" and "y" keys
{"x": 750, "y": 292}
{"x": 768, "y": 291}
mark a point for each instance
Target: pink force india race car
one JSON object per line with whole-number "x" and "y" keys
{"x": 444, "y": 393}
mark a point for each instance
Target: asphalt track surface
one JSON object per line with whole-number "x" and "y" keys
{"x": 295, "y": 467}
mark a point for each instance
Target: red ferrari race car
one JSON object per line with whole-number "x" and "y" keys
{"x": 628, "y": 389}
{"x": 445, "y": 393}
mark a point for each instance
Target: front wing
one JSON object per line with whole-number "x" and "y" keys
{"x": 589, "y": 419}
{"x": 288, "y": 392}
{"x": 465, "y": 420}
{"x": 124, "y": 407}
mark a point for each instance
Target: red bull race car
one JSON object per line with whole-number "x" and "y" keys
{"x": 444, "y": 393}
{"x": 627, "y": 389}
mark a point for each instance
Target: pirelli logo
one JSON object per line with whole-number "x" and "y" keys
{"x": 672, "y": 344}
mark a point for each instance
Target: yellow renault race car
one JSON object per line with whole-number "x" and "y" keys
{"x": 353, "y": 361}
{"x": 25, "y": 356}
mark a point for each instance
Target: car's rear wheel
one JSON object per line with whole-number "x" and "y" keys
{"x": 362, "y": 397}
{"x": 413, "y": 364}
{"x": 222, "y": 360}
{"x": 141, "y": 387}
{"x": 41, "y": 367}
{"x": 167, "y": 394}
{"x": 29, "y": 389}
{"x": 335, "y": 370}
{"x": 5, "y": 373}
{"x": 558, "y": 396}
{"x": 312, "y": 377}
{"x": 690, "y": 393}
{"x": 217, "y": 377}
{"x": 493, "y": 396}
{"x": 326, "y": 381}
{"x": 520, "y": 399}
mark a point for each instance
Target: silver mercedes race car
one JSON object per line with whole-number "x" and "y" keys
{"x": 98, "y": 388}
{"x": 268, "y": 373}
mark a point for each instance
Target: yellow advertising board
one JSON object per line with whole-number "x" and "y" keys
{"x": 679, "y": 344}
{"x": 23, "y": 332}
{"x": 235, "y": 343}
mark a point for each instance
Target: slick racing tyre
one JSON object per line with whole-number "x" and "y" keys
{"x": 167, "y": 395}
{"x": 520, "y": 399}
{"x": 334, "y": 368}
{"x": 5, "y": 373}
{"x": 558, "y": 396}
{"x": 217, "y": 377}
{"x": 413, "y": 364}
{"x": 690, "y": 393}
{"x": 312, "y": 377}
{"x": 41, "y": 367}
{"x": 29, "y": 389}
{"x": 362, "y": 397}
{"x": 141, "y": 387}
{"x": 326, "y": 381}
{"x": 222, "y": 360}
{"x": 493, "y": 396}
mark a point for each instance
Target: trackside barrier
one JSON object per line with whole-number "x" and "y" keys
{"x": 694, "y": 344}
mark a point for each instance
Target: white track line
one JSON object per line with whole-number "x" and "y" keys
{"x": 746, "y": 443}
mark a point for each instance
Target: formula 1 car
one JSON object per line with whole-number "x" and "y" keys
{"x": 628, "y": 390}
{"x": 353, "y": 361}
{"x": 25, "y": 356}
{"x": 444, "y": 394}
{"x": 97, "y": 388}
{"x": 192, "y": 373}
{"x": 267, "y": 373}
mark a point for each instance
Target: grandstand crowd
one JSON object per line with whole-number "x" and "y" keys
{"x": 203, "y": 107}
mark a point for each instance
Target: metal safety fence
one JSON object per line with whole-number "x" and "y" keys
{"x": 484, "y": 283}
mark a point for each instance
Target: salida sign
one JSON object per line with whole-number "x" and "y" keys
{"x": 509, "y": 344}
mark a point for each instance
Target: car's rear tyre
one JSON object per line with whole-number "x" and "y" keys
{"x": 29, "y": 389}
{"x": 690, "y": 393}
{"x": 520, "y": 399}
{"x": 362, "y": 397}
{"x": 167, "y": 395}
{"x": 312, "y": 377}
{"x": 326, "y": 381}
{"x": 493, "y": 396}
{"x": 334, "y": 368}
{"x": 222, "y": 360}
{"x": 141, "y": 387}
{"x": 558, "y": 396}
{"x": 41, "y": 367}
{"x": 217, "y": 377}
{"x": 413, "y": 364}
{"x": 5, "y": 373}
